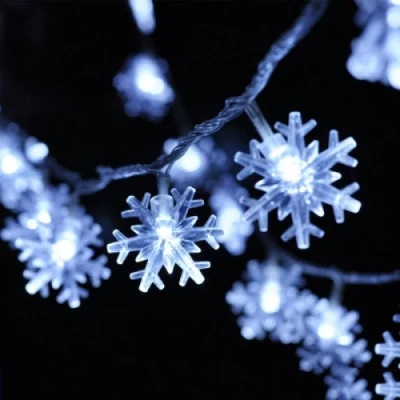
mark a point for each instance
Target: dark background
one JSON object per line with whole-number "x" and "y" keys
{"x": 58, "y": 61}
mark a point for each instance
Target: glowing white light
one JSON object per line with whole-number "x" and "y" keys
{"x": 9, "y": 163}
{"x": 143, "y": 12}
{"x": 192, "y": 160}
{"x": 148, "y": 82}
{"x": 164, "y": 232}
{"x": 44, "y": 217}
{"x": 289, "y": 168}
{"x": 270, "y": 297}
{"x": 37, "y": 152}
{"x": 64, "y": 250}
{"x": 326, "y": 331}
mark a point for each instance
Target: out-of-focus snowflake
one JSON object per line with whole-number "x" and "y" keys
{"x": 390, "y": 349}
{"x": 59, "y": 254}
{"x": 19, "y": 157}
{"x": 198, "y": 165}
{"x": 165, "y": 237}
{"x": 297, "y": 179}
{"x": 375, "y": 54}
{"x": 144, "y": 87}
{"x": 36, "y": 209}
{"x": 331, "y": 338}
{"x": 343, "y": 384}
{"x": 229, "y": 211}
{"x": 263, "y": 302}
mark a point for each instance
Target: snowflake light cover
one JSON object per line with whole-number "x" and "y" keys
{"x": 390, "y": 349}
{"x": 375, "y": 54}
{"x": 264, "y": 301}
{"x": 330, "y": 339}
{"x": 166, "y": 237}
{"x": 144, "y": 87}
{"x": 198, "y": 165}
{"x": 229, "y": 211}
{"x": 58, "y": 252}
{"x": 18, "y": 160}
{"x": 297, "y": 179}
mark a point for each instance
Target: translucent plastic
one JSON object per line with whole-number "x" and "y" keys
{"x": 166, "y": 237}
{"x": 144, "y": 87}
{"x": 58, "y": 252}
{"x": 297, "y": 179}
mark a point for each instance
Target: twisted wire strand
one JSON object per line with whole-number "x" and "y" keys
{"x": 234, "y": 106}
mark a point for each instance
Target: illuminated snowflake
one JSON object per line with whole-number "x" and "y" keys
{"x": 297, "y": 179}
{"x": 144, "y": 87}
{"x": 331, "y": 339}
{"x": 19, "y": 157}
{"x": 166, "y": 237}
{"x": 229, "y": 211}
{"x": 343, "y": 385}
{"x": 59, "y": 254}
{"x": 375, "y": 54}
{"x": 264, "y": 300}
{"x": 391, "y": 351}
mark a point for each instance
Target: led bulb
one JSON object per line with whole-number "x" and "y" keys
{"x": 289, "y": 169}
{"x": 9, "y": 164}
{"x": 326, "y": 331}
{"x": 270, "y": 297}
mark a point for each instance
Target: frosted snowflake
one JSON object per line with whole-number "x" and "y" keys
{"x": 375, "y": 54}
{"x": 166, "y": 237}
{"x": 331, "y": 338}
{"x": 144, "y": 87}
{"x": 343, "y": 385}
{"x": 223, "y": 202}
{"x": 264, "y": 300}
{"x": 390, "y": 349}
{"x": 19, "y": 157}
{"x": 59, "y": 254}
{"x": 297, "y": 179}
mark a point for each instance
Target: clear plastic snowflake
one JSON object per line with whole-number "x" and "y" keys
{"x": 19, "y": 158}
{"x": 263, "y": 302}
{"x": 390, "y": 349}
{"x": 144, "y": 87}
{"x": 375, "y": 54}
{"x": 331, "y": 338}
{"x": 229, "y": 211}
{"x": 343, "y": 385}
{"x": 297, "y": 179}
{"x": 166, "y": 237}
{"x": 59, "y": 254}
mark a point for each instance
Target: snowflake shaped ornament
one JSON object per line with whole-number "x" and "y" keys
{"x": 390, "y": 349}
{"x": 343, "y": 385}
{"x": 19, "y": 158}
{"x": 297, "y": 179}
{"x": 331, "y": 338}
{"x": 264, "y": 301}
{"x": 166, "y": 237}
{"x": 144, "y": 87}
{"x": 59, "y": 254}
{"x": 375, "y": 54}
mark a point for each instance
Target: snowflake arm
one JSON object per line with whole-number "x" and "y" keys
{"x": 390, "y": 349}
{"x": 297, "y": 179}
{"x": 166, "y": 237}
{"x": 390, "y": 389}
